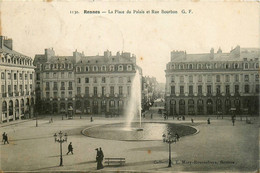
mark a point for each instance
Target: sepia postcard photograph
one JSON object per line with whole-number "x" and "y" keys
{"x": 127, "y": 86}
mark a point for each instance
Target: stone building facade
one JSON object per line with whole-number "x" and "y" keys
{"x": 87, "y": 84}
{"x": 213, "y": 83}
{"x": 17, "y": 83}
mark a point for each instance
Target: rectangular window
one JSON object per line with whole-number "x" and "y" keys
{"x": 200, "y": 78}
{"x": 120, "y": 80}
{"x": 218, "y": 89}
{"x": 21, "y": 88}
{"x": 209, "y": 89}
{"x": 79, "y": 80}
{"x": 112, "y": 103}
{"x": 86, "y": 80}
{"x": 103, "y": 80}
{"x": 20, "y": 76}
{"x": 236, "y": 89}
{"x": 112, "y": 90}
{"x": 47, "y": 75}
{"x": 87, "y": 90}
{"x": 190, "y": 78}
{"x": 15, "y": 88}
{"x": 128, "y": 79}
{"x": 227, "y": 78}
{"x": 236, "y": 78}
{"x": 218, "y": 78}
{"x": 9, "y": 89}
{"x": 47, "y": 95}
{"x": 54, "y": 74}
{"x": 246, "y": 78}
{"x": 181, "y": 89}
{"x": 257, "y": 88}
{"x": 172, "y": 89}
{"x": 47, "y": 85}
{"x": 257, "y": 77}
{"x": 70, "y": 74}
{"x": 55, "y": 95}
{"x": 172, "y": 79}
{"x": 120, "y": 90}
{"x": 14, "y": 76}
{"x": 37, "y": 76}
{"x": 78, "y": 90}
{"x": 70, "y": 85}
{"x": 25, "y": 76}
{"x": 62, "y": 87}
{"x": 103, "y": 91}
{"x": 246, "y": 88}
{"x": 95, "y": 80}
{"x": 209, "y": 78}
{"x": 3, "y": 89}
{"x": 128, "y": 90}
{"x": 2, "y": 75}
{"x": 30, "y": 76}
{"x": 9, "y": 75}
{"x": 62, "y": 74}
{"x": 200, "y": 89}
{"x": 31, "y": 87}
{"x": 181, "y": 79}
{"x": 55, "y": 86}
{"x": 95, "y": 91}
{"x": 227, "y": 89}
{"x": 190, "y": 89}
{"x": 62, "y": 94}
{"x": 70, "y": 94}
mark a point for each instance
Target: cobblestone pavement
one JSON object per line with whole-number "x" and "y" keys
{"x": 218, "y": 147}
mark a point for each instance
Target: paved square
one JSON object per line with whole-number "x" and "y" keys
{"x": 218, "y": 146}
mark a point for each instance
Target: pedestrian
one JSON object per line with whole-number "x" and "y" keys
{"x": 177, "y": 136}
{"x": 99, "y": 158}
{"x": 183, "y": 117}
{"x": 233, "y": 120}
{"x": 70, "y": 148}
{"x": 97, "y": 154}
{"x": 91, "y": 119}
{"x": 6, "y": 139}
{"x": 3, "y": 137}
{"x": 192, "y": 120}
{"x": 208, "y": 120}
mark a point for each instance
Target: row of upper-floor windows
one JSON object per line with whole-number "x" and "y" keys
{"x": 93, "y": 68}
{"x": 218, "y": 89}
{"x": 103, "y": 91}
{"x": 16, "y": 75}
{"x": 105, "y": 80}
{"x": 16, "y": 60}
{"x": 182, "y": 66}
{"x": 15, "y": 88}
{"x": 216, "y": 78}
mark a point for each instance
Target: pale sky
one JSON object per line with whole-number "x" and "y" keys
{"x": 34, "y": 26}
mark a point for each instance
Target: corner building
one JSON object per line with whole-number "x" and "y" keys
{"x": 17, "y": 96}
{"x": 213, "y": 83}
{"x": 88, "y": 84}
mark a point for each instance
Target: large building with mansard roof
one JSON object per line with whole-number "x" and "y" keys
{"x": 213, "y": 83}
{"x": 17, "y": 83}
{"x": 98, "y": 85}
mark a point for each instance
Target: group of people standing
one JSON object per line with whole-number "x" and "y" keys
{"x": 5, "y": 138}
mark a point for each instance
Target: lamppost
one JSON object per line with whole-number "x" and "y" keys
{"x": 61, "y": 138}
{"x": 36, "y": 119}
{"x": 168, "y": 139}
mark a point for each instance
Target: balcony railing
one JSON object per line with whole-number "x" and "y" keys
{"x": 16, "y": 93}
{"x": 70, "y": 88}
{"x": 4, "y": 94}
{"x": 55, "y": 88}
{"x": 62, "y": 88}
{"x": 10, "y": 94}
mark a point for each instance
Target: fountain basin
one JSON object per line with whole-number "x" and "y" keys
{"x": 150, "y": 131}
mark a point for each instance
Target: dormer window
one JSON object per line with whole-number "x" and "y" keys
{"x": 129, "y": 67}
{"x": 87, "y": 68}
{"x": 120, "y": 68}
{"x": 227, "y": 66}
{"x": 246, "y": 65}
{"x": 95, "y": 68}
{"x": 111, "y": 68}
{"x": 103, "y": 68}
